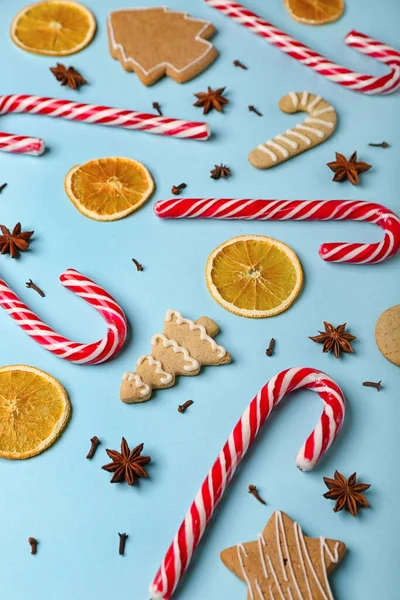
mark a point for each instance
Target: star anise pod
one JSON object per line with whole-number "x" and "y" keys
{"x": 220, "y": 171}
{"x": 347, "y": 169}
{"x": 127, "y": 465}
{"x": 211, "y": 99}
{"x": 15, "y": 242}
{"x": 68, "y": 76}
{"x": 347, "y": 493}
{"x": 335, "y": 339}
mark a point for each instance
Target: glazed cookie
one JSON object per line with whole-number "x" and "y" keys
{"x": 284, "y": 563}
{"x": 157, "y": 41}
{"x": 182, "y": 349}
{"x": 387, "y": 334}
{"x": 315, "y": 129}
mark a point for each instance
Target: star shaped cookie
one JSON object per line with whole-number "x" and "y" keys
{"x": 285, "y": 564}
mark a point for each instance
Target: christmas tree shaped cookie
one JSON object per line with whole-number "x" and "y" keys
{"x": 182, "y": 349}
{"x": 157, "y": 41}
{"x": 284, "y": 563}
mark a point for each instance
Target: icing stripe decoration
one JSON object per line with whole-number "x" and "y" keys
{"x": 299, "y": 210}
{"x": 294, "y": 563}
{"x": 57, "y": 344}
{"x": 221, "y": 351}
{"x": 185, "y": 339}
{"x": 316, "y": 128}
{"x": 90, "y": 113}
{"x": 187, "y": 538}
{"x": 193, "y": 364}
{"x": 358, "y": 82}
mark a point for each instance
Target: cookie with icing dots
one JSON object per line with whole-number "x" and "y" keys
{"x": 157, "y": 41}
{"x": 183, "y": 348}
{"x": 284, "y": 563}
{"x": 315, "y": 129}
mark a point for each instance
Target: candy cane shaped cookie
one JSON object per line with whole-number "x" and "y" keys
{"x": 315, "y": 129}
{"x": 192, "y": 528}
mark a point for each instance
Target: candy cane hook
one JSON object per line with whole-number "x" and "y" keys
{"x": 298, "y": 210}
{"x": 367, "y": 84}
{"x": 192, "y": 528}
{"x": 44, "y": 335}
{"x": 89, "y": 113}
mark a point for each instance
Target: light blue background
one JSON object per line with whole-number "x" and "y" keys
{"x": 65, "y": 500}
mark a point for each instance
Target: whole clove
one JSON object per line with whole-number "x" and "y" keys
{"x": 139, "y": 267}
{"x": 183, "y": 407}
{"x": 374, "y": 384}
{"x": 237, "y": 63}
{"x": 33, "y": 543}
{"x": 33, "y": 286}
{"x": 380, "y": 145}
{"x": 176, "y": 189}
{"x": 95, "y": 442}
{"x": 270, "y": 350}
{"x": 122, "y": 541}
{"x": 254, "y": 492}
{"x": 254, "y": 110}
{"x": 157, "y": 107}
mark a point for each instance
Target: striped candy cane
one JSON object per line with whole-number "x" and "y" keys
{"x": 192, "y": 528}
{"x": 298, "y": 210}
{"x": 367, "y": 84}
{"x": 93, "y": 294}
{"x": 89, "y": 113}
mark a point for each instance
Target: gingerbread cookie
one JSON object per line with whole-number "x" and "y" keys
{"x": 315, "y": 129}
{"x": 284, "y": 563}
{"x": 157, "y": 41}
{"x": 182, "y": 349}
{"x": 387, "y": 334}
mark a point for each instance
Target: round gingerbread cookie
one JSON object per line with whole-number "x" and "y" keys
{"x": 387, "y": 334}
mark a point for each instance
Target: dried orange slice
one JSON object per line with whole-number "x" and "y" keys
{"x": 34, "y": 409}
{"x": 53, "y": 27}
{"x": 107, "y": 189}
{"x": 315, "y": 12}
{"x": 254, "y": 276}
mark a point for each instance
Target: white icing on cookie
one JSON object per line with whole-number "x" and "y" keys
{"x": 314, "y": 103}
{"x": 271, "y": 154}
{"x": 208, "y": 45}
{"x": 282, "y": 147}
{"x": 319, "y": 122}
{"x": 322, "y": 111}
{"x": 140, "y": 384}
{"x": 287, "y": 141}
{"x": 193, "y": 365}
{"x": 294, "y": 99}
{"x": 289, "y": 588}
{"x": 195, "y": 327}
{"x": 165, "y": 377}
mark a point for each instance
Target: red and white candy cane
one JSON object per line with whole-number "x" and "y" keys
{"x": 298, "y": 210}
{"x": 367, "y": 84}
{"x": 93, "y": 294}
{"x": 192, "y": 528}
{"x": 89, "y": 113}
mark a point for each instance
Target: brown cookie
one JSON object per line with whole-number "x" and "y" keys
{"x": 182, "y": 349}
{"x": 315, "y": 129}
{"x": 157, "y": 41}
{"x": 387, "y": 334}
{"x": 284, "y": 563}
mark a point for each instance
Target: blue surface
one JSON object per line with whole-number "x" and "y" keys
{"x": 65, "y": 500}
